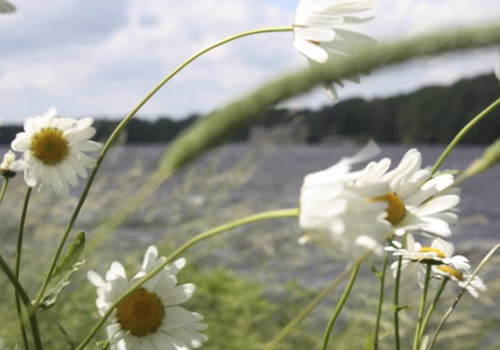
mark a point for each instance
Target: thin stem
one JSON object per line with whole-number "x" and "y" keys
{"x": 462, "y": 133}
{"x": 26, "y": 301}
{"x": 460, "y": 294}
{"x": 432, "y": 307}
{"x": 380, "y": 301}
{"x": 307, "y": 310}
{"x": 115, "y": 134}
{"x": 4, "y": 188}
{"x": 397, "y": 284}
{"x": 341, "y": 304}
{"x": 17, "y": 267}
{"x": 275, "y": 214}
{"x": 423, "y": 301}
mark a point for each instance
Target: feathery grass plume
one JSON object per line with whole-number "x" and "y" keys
{"x": 217, "y": 127}
{"x": 490, "y": 158}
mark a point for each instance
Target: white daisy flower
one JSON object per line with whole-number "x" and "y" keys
{"x": 54, "y": 150}
{"x": 150, "y": 317}
{"x": 10, "y": 166}
{"x": 336, "y": 215}
{"x": 321, "y": 31}
{"x": 443, "y": 263}
{"x": 438, "y": 253}
{"x": 457, "y": 268}
{"x": 416, "y": 200}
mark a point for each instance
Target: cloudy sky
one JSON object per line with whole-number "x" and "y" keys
{"x": 100, "y": 57}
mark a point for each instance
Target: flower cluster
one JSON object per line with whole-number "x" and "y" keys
{"x": 352, "y": 213}
{"x": 439, "y": 255}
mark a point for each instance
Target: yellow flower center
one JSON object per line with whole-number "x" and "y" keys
{"x": 140, "y": 313}
{"x": 438, "y": 252}
{"x": 395, "y": 207}
{"x": 451, "y": 271}
{"x": 50, "y": 146}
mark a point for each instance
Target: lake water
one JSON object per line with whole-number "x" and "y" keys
{"x": 238, "y": 180}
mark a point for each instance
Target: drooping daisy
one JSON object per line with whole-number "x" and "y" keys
{"x": 150, "y": 317}
{"x": 10, "y": 166}
{"x": 456, "y": 268}
{"x": 443, "y": 263}
{"x": 321, "y": 31}
{"x": 54, "y": 150}
{"x": 440, "y": 252}
{"x": 336, "y": 215}
{"x": 416, "y": 200}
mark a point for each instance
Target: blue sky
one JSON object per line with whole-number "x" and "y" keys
{"x": 99, "y": 58}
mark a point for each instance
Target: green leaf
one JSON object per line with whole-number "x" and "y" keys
{"x": 69, "y": 339}
{"x": 62, "y": 273}
{"x": 398, "y": 308}
{"x": 71, "y": 257}
{"x": 369, "y": 343}
{"x": 375, "y": 271}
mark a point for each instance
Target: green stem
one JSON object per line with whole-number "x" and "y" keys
{"x": 26, "y": 301}
{"x": 397, "y": 284}
{"x": 423, "y": 301}
{"x": 380, "y": 301}
{"x": 341, "y": 304}
{"x": 17, "y": 267}
{"x": 307, "y": 310}
{"x": 115, "y": 134}
{"x": 432, "y": 307}
{"x": 460, "y": 294}
{"x": 275, "y": 214}
{"x": 462, "y": 133}
{"x": 4, "y": 188}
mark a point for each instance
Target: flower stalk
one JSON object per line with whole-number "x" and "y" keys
{"x": 340, "y": 304}
{"x": 285, "y": 213}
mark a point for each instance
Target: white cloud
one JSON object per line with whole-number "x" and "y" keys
{"x": 101, "y": 57}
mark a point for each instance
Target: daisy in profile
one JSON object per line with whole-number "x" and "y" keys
{"x": 416, "y": 200}
{"x": 10, "y": 166}
{"x": 440, "y": 252}
{"x": 337, "y": 216}
{"x": 443, "y": 263}
{"x": 150, "y": 317}
{"x": 54, "y": 150}
{"x": 321, "y": 32}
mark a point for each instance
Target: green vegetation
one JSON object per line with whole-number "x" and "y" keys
{"x": 397, "y": 119}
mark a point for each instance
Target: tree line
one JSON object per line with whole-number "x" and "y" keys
{"x": 430, "y": 115}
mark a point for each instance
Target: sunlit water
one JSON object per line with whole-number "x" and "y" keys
{"x": 213, "y": 192}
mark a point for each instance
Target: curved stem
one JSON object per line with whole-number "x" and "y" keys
{"x": 275, "y": 214}
{"x": 423, "y": 301}
{"x": 17, "y": 266}
{"x": 307, "y": 310}
{"x": 380, "y": 301}
{"x": 4, "y": 188}
{"x": 462, "y": 133}
{"x": 432, "y": 307}
{"x": 26, "y": 301}
{"x": 120, "y": 127}
{"x": 341, "y": 304}
{"x": 397, "y": 284}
